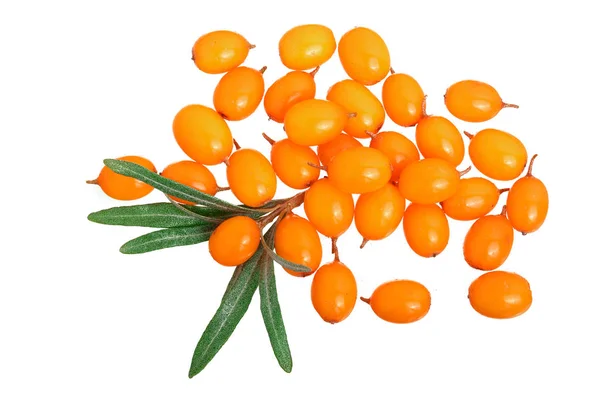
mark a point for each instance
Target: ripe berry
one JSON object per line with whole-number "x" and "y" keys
{"x": 330, "y": 210}
{"x": 288, "y": 90}
{"x": 251, "y": 177}
{"x": 403, "y": 99}
{"x": 429, "y": 181}
{"x": 327, "y": 151}
{"x": 398, "y": 149}
{"x": 400, "y": 301}
{"x": 377, "y": 214}
{"x": 474, "y": 198}
{"x": 500, "y": 294}
{"x": 220, "y": 51}
{"x": 315, "y": 121}
{"x": 239, "y": 93}
{"x": 234, "y": 241}
{"x": 360, "y": 170}
{"x": 297, "y": 240}
{"x": 426, "y": 229}
{"x": 488, "y": 242}
{"x": 364, "y": 56}
{"x": 192, "y": 174}
{"x": 437, "y": 137}
{"x": 474, "y": 101}
{"x": 333, "y": 292}
{"x": 291, "y": 163}
{"x": 306, "y": 46}
{"x": 121, "y": 187}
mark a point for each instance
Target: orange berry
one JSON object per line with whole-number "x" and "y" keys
{"x": 377, "y": 214}
{"x": 327, "y": 151}
{"x": 251, "y": 177}
{"x": 488, "y": 242}
{"x": 500, "y": 294}
{"x": 291, "y": 163}
{"x": 527, "y": 202}
{"x": 426, "y": 229}
{"x": 497, "y": 154}
{"x": 202, "y": 134}
{"x": 288, "y": 90}
{"x": 400, "y": 301}
{"x": 121, "y": 187}
{"x": 315, "y": 121}
{"x": 192, "y": 174}
{"x": 220, "y": 51}
{"x": 403, "y": 99}
{"x": 306, "y": 46}
{"x": 398, "y": 149}
{"x": 333, "y": 292}
{"x": 474, "y": 198}
{"x": 364, "y": 56}
{"x": 297, "y": 240}
{"x": 234, "y": 241}
{"x": 360, "y": 170}
{"x": 330, "y": 210}
{"x": 437, "y": 137}
{"x": 239, "y": 93}
{"x": 356, "y": 98}
{"x": 474, "y": 101}
{"x": 429, "y": 181}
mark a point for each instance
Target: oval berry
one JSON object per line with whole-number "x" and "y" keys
{"x": 297, "y": 240}
{"x": 292, "y": 163}
{"x": 239, "y": 93}
{"x": 426, "y": 229}
{"x": 474, "y": 101}
{"x": 364, "y": 56}
{"x": 488, "y": 242}
{"x": 360, "y": 170}
{"x": 333, "y": 292}
{"x": 398, "y": 149}
{"x": 120, "y": 187}
{"x": 428, "y": 181}
{"x": 403, "y": 99}
{"x": 500, "y": 295}
{"x": 251, "y": 177}
{"x": 330, "y": 210}
{"x": 313, "y": 122}
{"x": 234, "y": 241}
{"x": 290, "y": 89}
{"x": 327, "y": 151}
{"x": 377, "y": 214}
{"x": 400, "y": 301}
{"x": 306, "y": 46}
{"x": 193, "y": 174}
{"x": 474, "y": 198}
{"x": 220, "y": 51}
{"x": 437, "y": 137}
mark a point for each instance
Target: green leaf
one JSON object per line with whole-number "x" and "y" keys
{"x": 155, "y": 215}
{"x": 282, "y": 261}
{"x": 166, "y": 238}
{"x": 234, "y": 305}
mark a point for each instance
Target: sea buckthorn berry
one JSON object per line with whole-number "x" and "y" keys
{"x": 315, "y": 121}
{"x": 400, "y": 150}
{"x": 333, "y": 292}
{"x": 239, "y": 93}
{"x": 475, "y": 198}
{"x": 429, "y": 181}
{"x": 497, "y": 154}
{"x": 292, "y": 163}
{"x": 202, "y": 134}
{"x": 437, "y": 137}
{"x": 330, "y": 210}
{"x": 377, "y": 214}
{"x": 426, "y": 229}
{"x": 288, "y": 90}
{"x": 360, "y": 170}
{"x": 251, "y": 177}
{"x": 356, "y": 98}
{"x": 527, "y": 202}
{"x": 364, "y": 56}
{"x": 306, "y": 46}
{"x": 220, "y": 51}
{"x": 400, "y": 301}
{"x": 488, "y": 242}
{"x": 120, "y": 187}
{"x": 192, "y": 174}
{"x": 403, "y": 99}
{"x": 327, "y": 151}
{"x": 234, "y": 241}
{"x": 474, "y": 101}
{"x": 500, "y": 295}
{"x": 297, "y": 240}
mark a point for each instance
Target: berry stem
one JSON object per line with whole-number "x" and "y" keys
{"x": 366, "y": 300}
{"x": 465, "y": 171}
{"x": 284, "y": 207}
{"x": 334, "y": 248}
{"x": 508, "y": 105}
{"x": 392, "y": 71}
{"x": 424, "y": 107}
{"x": 371, "y": 134}
{"x": 500, "y": 191}
{"x": 530, "y": 169}
{"x": 236, "y": 144}
{"x": 251, "y": 46}
{"x": 222, "y": 189}
{"x": 226, "y": 162}
{"x": 92, "y": 182}
{"x": 364, "y": 243}
{"x": 268, "y": 139}
{"x": 503, "y": 212}
{"x": 321, "y": 167}
{"x": 314, "y": 71}
{"x": 469, "y": 135}
{"x": 263, "y": 69}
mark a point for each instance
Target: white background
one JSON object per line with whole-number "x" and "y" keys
{"x": 84, "y": 81}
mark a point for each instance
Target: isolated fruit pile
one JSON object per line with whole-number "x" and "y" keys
{"x": 347, "y": 172}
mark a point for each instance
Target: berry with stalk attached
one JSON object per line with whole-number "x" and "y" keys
{"x": 426, "y": 229}
{"x": 474, "y": 101}
{"x": 429, "y": 181}
{"x": 360, "y": 170}
{"x": 297, "y": 241}
{"x": 121, "y": 187}
{"x": 400, "y": 301}
{"x": 364, "y": 56}
{"x": 377, "y": 214}
{"x": 290, "y": 89}
{"x": 474, "y": 198}
{"x": 403, "y": 99}
{"x": 251, "y": 177}
{"x": 234, "y": 241}
{"x": 500, "y": 295}
{"x": 306, "y": 46}
{"x": 314, "y": 122}
{"x": 239, "y": 93}
{"x": 220, "y": 51}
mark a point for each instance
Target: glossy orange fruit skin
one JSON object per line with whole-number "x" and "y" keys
{"x": 239, "y": 93}
{"x": 403, "y": 99}
{"x": 286, "y": 91}
{"x": 251, "y": 177}
{"x": 474, "y": 198}
{"x": 473, "y": 101}
{"x": 426, "y": 229}
{"x": 500, "y": 295}
{"x": 428, "y": 181}
{"x": 334, "y": 292}
{"x": 488, "y": 242}
{"x": 364, "y": 56}
{"x": 120, "y": 187}
{"x": 437, "y": 137}
{"x": 497, "y": 154}
{"x": 360, "y": 170}
{"x": 401, "y": 301}
{"x": 314, "y": 122}
{"x": 327, "y": 151}
{"x": 330, "y": 210}
{"x": 202, "y": 134}
{"x": 356, "y": 98}
{"x": 234, "y": 241}
{"x": 192, "y": 174}
{"x": 297, "y": 240}
{"x": 377, "y": 214}
{"x": 399, "y": 149}
{"x": 220, "y": 51}
{"x": 306, "y": 46}
{"x": 527, "y": 204}
{"x": 291, "y": 164}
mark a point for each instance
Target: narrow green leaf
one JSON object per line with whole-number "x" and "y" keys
{"x": 282, "y": 261}
{"x": 155, "y": 215}
{"x": 234, "y": 305}
{"x": 169, "y": 237}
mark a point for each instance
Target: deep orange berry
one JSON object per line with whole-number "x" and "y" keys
{"x": 121, "y": 187}
{"x": 192, "y": 174}
{"x": 429, "y": 181}
{"x": 292, "y": 163}
{"x": 398, "y": 149}
{"x": 234, "y": 241}
{"x": 400, "y": 301}
{"x": 426, "y": 229}
{"x": 474, "y": 101}
{"x": 251, "y": 177}
{"x": 360, "y": 170}
{"x": 474, "y": 198}
{"x": 239, "y": 93}
{"x": 334, "y": 292}
{"x": 220, "y": 51}
{"x": 315, "y": 121}
{"x": 377, "y": 214}
{"x": 202, "y": 134}
{"x": 297, "y": 240}
{"x": 403, "y": 99}
{"x": 488, "y": 242}
{"x": 329, "y": 209}
{"x": 500, "y": 295}
{"x": 327, "y": 151}
{"x": 306, "y": 46}
{"x": 437, "y": 137}
{"x": 288, "y": 90}
{"x": 364, "y": 56}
